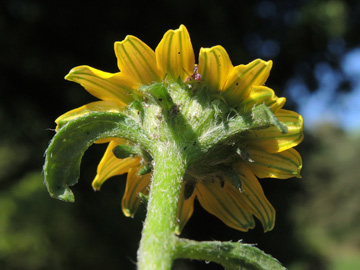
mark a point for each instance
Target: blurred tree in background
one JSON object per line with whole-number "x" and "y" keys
{"x": 317, "y": 216}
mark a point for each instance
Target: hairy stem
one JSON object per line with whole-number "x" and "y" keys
{"x": 157, "y": 245}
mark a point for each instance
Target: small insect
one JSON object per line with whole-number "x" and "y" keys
{"x": 195, "y": 77}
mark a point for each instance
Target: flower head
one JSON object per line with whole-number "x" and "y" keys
{"x": 230, "y": 128}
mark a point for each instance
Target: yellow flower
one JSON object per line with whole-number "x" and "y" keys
{"x": 262, "y": 153}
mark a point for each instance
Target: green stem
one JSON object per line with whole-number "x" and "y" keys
{"x": 231, "y": 255}
{"x": 157, "y": 245}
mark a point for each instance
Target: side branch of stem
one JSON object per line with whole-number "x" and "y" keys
{"x": 231, "y": 255}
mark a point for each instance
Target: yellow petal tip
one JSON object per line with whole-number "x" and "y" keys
{"x": 117, "y": 43}
{"x": 127, "y": 212}
{"x": 70, "y": 76}
{"x": 96, "y": 188}
{"x": 96, "y": 185}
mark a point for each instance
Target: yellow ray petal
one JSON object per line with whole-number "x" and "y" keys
{"x": 135, "y": 184}
{"x": 214, "y": 67}
{"x": 243, "y": 77}
{"x": 272, "y": 140}
{"x": 175, "y": 55}
{"x": 261, "y": 95}
{"x": 281, "y": 165}
{"x": 97, "y": 106}
{"x": 217, "y": 201}
{"x": 136, "y": 61}
{"x": 110, "y": 165}
{"x": 184, "y": 211}
{"x": 252, "y": 196}
{"x": 103, "y": 85}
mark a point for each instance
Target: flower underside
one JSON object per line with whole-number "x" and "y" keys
{"x": 228, "y": 127}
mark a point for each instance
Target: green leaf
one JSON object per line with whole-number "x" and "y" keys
{"x": 233, "y": 256}
{"x": 64, "y": 154}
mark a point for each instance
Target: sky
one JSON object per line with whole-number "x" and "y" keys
{"x": 326, "y": 104}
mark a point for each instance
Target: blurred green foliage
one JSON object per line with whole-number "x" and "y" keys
{"x": 317, "y": 216}
{"x": 327, "y": 212}
{"x": 38, "y": 232}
